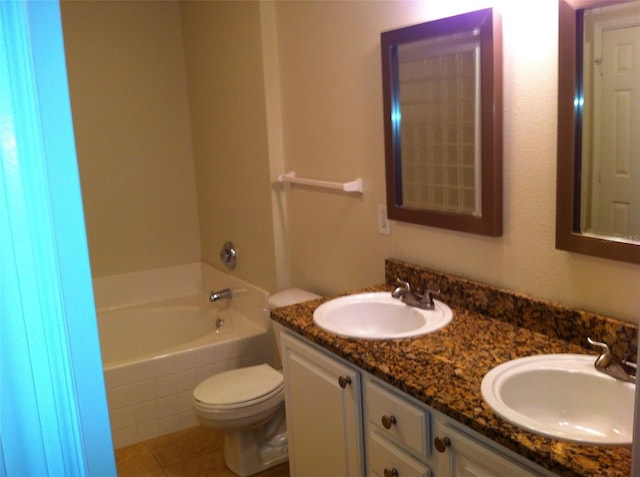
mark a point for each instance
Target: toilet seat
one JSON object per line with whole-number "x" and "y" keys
{"x": 239, "y": 388}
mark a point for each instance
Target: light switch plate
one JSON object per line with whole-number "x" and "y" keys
{"x": 384, "y": 225}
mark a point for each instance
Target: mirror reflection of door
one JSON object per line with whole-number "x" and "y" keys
{"x": 611, "y": 185}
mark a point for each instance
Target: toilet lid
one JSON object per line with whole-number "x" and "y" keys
{"x": 239, "y": 386}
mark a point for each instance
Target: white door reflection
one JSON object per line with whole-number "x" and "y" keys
{"x": 611, "y": 115}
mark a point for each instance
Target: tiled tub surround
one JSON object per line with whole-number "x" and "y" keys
{"x": 490, "y": 326}
{"x": 159, "y": 340}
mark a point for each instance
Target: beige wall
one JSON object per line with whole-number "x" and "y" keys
{"x": 306, "y": 96}
{"x": 332, "y": 123}
{"x": 129, "y": 99}
{"x": 172, "y": 152}
{"x": 229, "y": 129}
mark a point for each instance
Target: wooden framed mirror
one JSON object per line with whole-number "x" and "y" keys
{"x": 442, "y": 87}
{"x": 590, "y": 220}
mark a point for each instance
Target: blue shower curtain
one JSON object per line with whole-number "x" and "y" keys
{"x": 53, "y": 412}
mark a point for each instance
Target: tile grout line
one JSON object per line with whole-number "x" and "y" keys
{"x": 156, "y": 458}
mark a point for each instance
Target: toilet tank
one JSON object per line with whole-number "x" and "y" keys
{"x": 289, "y": 296}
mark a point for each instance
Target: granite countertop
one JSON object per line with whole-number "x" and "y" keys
{"x": 444, "y": 370}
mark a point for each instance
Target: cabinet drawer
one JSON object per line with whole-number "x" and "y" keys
{"x": 398, "y": 419}
{"x": 385, "y": 456}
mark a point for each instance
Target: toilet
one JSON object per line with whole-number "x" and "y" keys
{"x": 247, "y": 404}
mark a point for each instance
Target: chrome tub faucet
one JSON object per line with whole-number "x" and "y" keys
{"x": 610, "y": 364}
{"x": 224, "y": 294}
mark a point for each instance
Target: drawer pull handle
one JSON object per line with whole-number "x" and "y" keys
{"x": 442, "y": 443}
{"x": 391, "y": 472}
{"x": 388, "y": 421}
{"x": 344, "y": 381}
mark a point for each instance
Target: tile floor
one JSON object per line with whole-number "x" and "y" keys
{"x": 190, "y": 452}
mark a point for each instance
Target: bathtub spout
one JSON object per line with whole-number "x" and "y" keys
{"x": 220, "y": 295}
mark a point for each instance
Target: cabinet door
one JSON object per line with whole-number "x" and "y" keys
{"x": 324, "y": 423}
{"x": 463, "y": 456}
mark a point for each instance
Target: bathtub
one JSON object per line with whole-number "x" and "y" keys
{"x": 155, "y": 353}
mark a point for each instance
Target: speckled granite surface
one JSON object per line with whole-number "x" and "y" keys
{"x": 490, "y": 326}
{"x": 553, "y": 320}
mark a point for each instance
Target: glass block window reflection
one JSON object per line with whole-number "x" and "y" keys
{"x": 440, "y": 129}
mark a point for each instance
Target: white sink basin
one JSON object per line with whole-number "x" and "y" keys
{"x": 379, "y": 316}
{"x": 564, "y": 397}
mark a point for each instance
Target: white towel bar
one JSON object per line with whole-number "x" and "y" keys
{"x": 352, "y": 186}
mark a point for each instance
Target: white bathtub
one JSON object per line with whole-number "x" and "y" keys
{"x": 154, "y": 354}
{"x": 133, "y": 334}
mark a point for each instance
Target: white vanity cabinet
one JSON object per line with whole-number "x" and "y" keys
{"x": 431, "y": 441}
{"x": 332, "y": 428}
{"x": 324, "y": 412}
{"x": 464, "y": 456}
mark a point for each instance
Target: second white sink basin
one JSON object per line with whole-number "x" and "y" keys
{"x": 378, "y": 315}
{"x": 564, "y": 397}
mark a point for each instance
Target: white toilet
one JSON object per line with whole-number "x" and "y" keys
{"x": 248, "y": 405}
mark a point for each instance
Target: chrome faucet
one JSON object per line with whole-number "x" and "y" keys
{"x": 225, "y": 293}
{"x": 610, "y": 364}
{"x": 411, "y": 298}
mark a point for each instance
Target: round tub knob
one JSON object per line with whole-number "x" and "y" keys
{"x": 391, "y": 472}
{"x": 442, "y": 443}
{"x": 344, "y": 381}
{"x": 388, "y": 421}
{"x": 228, "y": 255}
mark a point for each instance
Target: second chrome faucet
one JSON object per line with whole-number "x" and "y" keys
{"x": 610, "y": 364}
